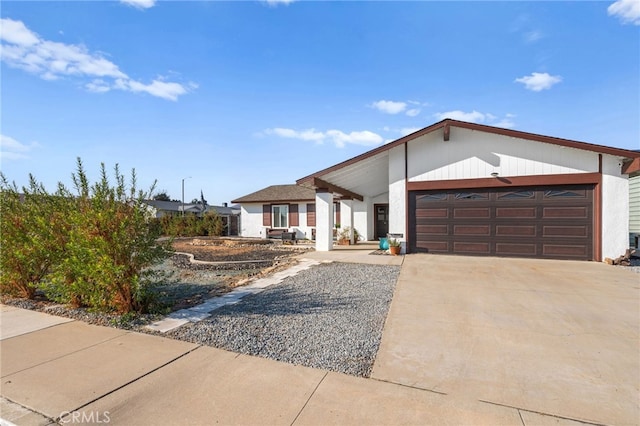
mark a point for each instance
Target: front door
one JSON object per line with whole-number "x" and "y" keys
{"x": 382, "y": 220}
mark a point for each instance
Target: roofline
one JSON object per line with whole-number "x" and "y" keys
{"x": 274, "y": 201}
{"x": 446, "y": 123}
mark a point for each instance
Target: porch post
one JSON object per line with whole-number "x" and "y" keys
{"x": 346, "y": 217}
{"x": 324, "y": 220}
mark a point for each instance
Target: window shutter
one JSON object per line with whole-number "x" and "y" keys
{"x": 337, "y": 212}
{"x": 266, "y": 215}
{"x": 293, "y": 215}
{"x": 311, "y": 214}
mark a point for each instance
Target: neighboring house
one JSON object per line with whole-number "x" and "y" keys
{"x": 230, "y": 215}
{"x": 462, "y": 188}
{"x": 280, "y": 208}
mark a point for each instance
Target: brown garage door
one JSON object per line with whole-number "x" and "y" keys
{"x": 544, "y": 222}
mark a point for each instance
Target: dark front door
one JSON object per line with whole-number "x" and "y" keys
{"x": 382, "y": 220}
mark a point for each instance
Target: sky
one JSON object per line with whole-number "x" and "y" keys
{"x": 231, "y": 97}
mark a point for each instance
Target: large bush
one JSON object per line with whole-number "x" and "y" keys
{"x": 33, "y": 228}
{"x": 98, "y": 252}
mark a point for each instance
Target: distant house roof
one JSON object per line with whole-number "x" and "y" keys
{"x": 278, "y": 193}
{"x": 176, "y": 206}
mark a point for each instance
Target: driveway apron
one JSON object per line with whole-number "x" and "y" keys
{"x": 552, "y": 337}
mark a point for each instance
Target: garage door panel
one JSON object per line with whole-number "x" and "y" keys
{"x": 432, "y": 229}
{"x": 519, "y": 249}
{"x": 565, "y": 231}
{"x": 471, "y": 247}
{"x": 565, "y": 212}
{"x": 442, "y": 213}
{"x": 515, "y": 212}
{"x": 515, "y": 230}
{"x": 482, "y": 230}
{"x": 433, "y": 246}
{"x": 564, "y": 250}
{"x": 544, "y": 222}
{"x": 472, "y": 213}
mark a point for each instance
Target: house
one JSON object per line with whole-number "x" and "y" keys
{"x": 278, "y": 207}
{"x": 463, "y": 188}
{"x": 230, "y": 215}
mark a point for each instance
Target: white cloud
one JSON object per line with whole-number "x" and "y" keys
{"x": 478, "y": 117}
{"x": 628, "y": 11}
{"x": 473, "y": 117}
{"x": 364, "y": 137}
{"x": 408, "y": 130}
{"x": 389, "y": 107}
{"x": 23, "y": 49}
{"x": 338, "y": 137}
{"x": 413, "y": 112}
{"x": 278, "y": 2}
{"x": 539, "y": 81}
{"x": 139, "y": 4}
{"x": 305, "y": 135}
{"x": 11, "y": 149}
{"x": 16, "y": 32}
{"x": 533, "y": 36}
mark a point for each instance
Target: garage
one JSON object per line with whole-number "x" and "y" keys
{"x": 554, "y": 222}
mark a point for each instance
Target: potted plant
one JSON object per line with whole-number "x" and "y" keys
{"x": 344, "y": 236}
{"x": 394, "y": 246}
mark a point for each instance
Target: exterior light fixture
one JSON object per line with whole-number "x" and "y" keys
{"x": 494, "y": 174}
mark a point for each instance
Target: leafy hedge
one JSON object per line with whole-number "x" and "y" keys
{"x": 191, "y": 225}
{"x": 89, "y": 248}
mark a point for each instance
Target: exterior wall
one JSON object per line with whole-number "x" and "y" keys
{"x": 615, "y": 208}
{"x": 361, "y": 216}
{"x": 251, "y": 221}
{"x": 472, "y": 154}
{"x": 324, "y": 221}
{"x": 634, "y": 204}
{"x": 397, "y": 193}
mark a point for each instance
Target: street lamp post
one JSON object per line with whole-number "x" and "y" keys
{"x": 188, "y": 177}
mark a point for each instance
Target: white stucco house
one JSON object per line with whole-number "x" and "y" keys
{"x": 278, "y": 208}
{"x": 462, "y": 188}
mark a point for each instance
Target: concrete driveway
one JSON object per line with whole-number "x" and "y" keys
{"x": 551, "y": 337}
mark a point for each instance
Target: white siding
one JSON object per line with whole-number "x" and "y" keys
{"x": 251, "y": 221}
{"x": 397, "y": 194}
{"x": 634, "y": 204}
{"x": 472, "y": 154}
{"x": 615, "y": 208}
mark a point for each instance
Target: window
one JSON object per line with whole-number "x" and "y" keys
{"x": 557, "y": 193}
{"x": 280, "y": 216}
{"x": 471, "y": 196}
{"x": 517, "y": 195}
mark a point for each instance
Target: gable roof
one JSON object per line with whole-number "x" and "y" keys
{"x": 447, "y": 123}
{"x": 279, "y": 193}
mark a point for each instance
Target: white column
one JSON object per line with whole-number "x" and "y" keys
{"x": 346, "y": 217}
{"x": 324, "y": 221}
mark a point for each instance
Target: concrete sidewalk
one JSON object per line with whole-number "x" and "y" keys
{"x": 56, "y": 370}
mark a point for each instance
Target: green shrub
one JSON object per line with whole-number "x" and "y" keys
{"x": 191, "y": 225}
{"x": 109, "y": 246}
{"x": 32, "y": 233}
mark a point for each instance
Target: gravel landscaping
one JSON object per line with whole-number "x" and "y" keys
{"x": 330, "y": 317}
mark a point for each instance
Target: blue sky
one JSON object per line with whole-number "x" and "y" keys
{"x": 242, "y": 95}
